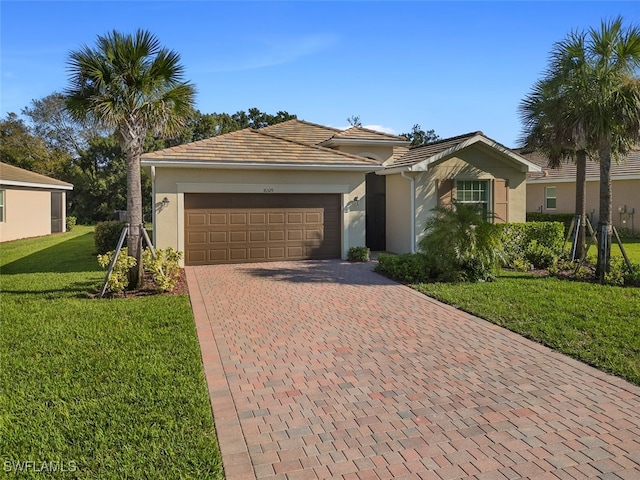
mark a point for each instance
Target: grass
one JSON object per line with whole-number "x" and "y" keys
{"x": 105, "y": 389}
{"x": 599, "y": 325}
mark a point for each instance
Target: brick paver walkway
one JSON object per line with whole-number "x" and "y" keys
{"x": 327, "y": 370}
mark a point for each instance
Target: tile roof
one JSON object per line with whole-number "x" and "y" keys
{"x": 418, "y": 154}
{"x": 629, "y": 166}
{"x": 301, "y": 131}
{"x": 359, "y": 133}
{"x": 12, "y": 175}
{"x": 250, "y": 146}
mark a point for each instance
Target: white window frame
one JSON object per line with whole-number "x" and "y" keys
{"x": 487, "y": 190}
{"x": 3, "y": 200}
{"x": 548, "y": 197}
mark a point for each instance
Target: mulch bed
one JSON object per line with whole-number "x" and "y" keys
{"x": 149, "y": 288}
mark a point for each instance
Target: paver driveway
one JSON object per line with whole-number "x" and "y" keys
{"x": 328, "y": 370}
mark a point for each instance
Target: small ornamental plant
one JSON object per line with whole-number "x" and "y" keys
{"x": 119, "y": 278}
{"x": 164, "y": 267}
{"x": 358, "y": 254}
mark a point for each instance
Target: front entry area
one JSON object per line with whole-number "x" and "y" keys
{"x": 240, "y": 228}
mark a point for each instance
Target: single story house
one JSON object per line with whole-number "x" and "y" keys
{"x": 298, "y": 190}
{"x": 31, "y": 205}
{"x": 553, "y": 190}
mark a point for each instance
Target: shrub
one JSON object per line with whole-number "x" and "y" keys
{"x": 517, "y": 239}
{"x": 164, "y": 267}
{"x": 107, "y": 234}
{"x": 564, "y": 218}
{"x": 119, "y": 278}
{"x": 461, "y": 244}
{"x": 358, "y": 254}
{"x": 540, "y": 255}
{"x": 70, "y": 222}
{"x": 620, "y": 274}
{"x": 406, "y": 268}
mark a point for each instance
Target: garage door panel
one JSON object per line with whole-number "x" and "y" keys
{"x": 276, "y": 235}
{"x": 294, "y": 218}
{"x": 217, "y": 219}
{"x": 236, "y": 228}
{"x": 276, "y": 218}
{"x": 257, "y": 236}
{"x": 195, "y": 219}
{"x": 276, "y": 253}
{"x": 238, "y": 218}
{"x": 217, "y": 255}
{"x": 237, "y": 237}
{"x": 258, "y": 219}
{"x": 197, "y": 238}
{"x": 217, "y": 237}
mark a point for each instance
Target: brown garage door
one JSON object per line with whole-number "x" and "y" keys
{"x": 237, "y": 228}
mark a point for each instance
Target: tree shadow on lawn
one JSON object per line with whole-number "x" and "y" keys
{"x": 73, "y": 255}
{"x": 71, "y": 290}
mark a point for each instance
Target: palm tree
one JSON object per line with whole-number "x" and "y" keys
{"x": 547, "y": 129}
{"x": 131, "y": 85}
{"x": 589, "y": 100}
{"x": 613, "y": 111}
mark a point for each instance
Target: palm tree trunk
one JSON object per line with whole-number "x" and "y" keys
{"x": 581, "y": 200}
{"x": 133, "y": 150}
{"x": 605, "y": 218}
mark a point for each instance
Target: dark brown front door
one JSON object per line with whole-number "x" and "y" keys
{"x": 239, "y": 228}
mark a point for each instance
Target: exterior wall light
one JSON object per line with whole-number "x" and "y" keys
{"x": 165, "y": 202}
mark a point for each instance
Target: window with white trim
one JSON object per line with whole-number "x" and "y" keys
{"x": 2, "y": 196}
{"x": 474, "y": 192}
{"x": 550, "y": 198}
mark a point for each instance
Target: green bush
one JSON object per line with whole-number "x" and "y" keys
{"x": 564, "y": 218}
{"x": 461, "y": 244}
{"x": 358, "y": 254}
{"x": 541, "y": 256}
{"x": 119, "y": 278}
{"x": 620, "y": 274}
{"x": 517, "y": 240}
{"x": 406, "y": 268}
{"x": 164, "y": 267}
{"x": 106, "y": 235}
{"x": 70, "y": 222}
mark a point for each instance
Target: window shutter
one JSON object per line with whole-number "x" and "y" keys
{"x": 501, "y": 200}
{"x": 445, "y": 192}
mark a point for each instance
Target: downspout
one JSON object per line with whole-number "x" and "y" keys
{"x": 404, "y": 175}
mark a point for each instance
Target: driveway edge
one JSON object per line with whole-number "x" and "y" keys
{"x": 233, "y": 446}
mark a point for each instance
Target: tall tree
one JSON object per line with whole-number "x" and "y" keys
{"x": 550, "y": 128}
{"x": 21, "y": 147}
{"x": 595, "y": 96}
{"x": 132, "y": 85}
{"x": 418, "y": 137}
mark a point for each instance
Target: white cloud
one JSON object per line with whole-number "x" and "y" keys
{"x": 381, "y": 128}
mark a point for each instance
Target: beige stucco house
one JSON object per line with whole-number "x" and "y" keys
{"x": 299, "y": 190}
{"x": 31, "y": 204}
{"x": 554, "y": 190}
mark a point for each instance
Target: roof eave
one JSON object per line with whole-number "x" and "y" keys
{"x": 15, "y": 183}
{"x": 230, "y": 165}
{"x": 422, "y": 166}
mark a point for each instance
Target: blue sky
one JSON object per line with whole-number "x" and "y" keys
{"x": 454, "y": 67}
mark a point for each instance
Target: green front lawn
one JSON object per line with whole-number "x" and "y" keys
{"x": 599, "y": 325}
{"x": 105, "y": 389}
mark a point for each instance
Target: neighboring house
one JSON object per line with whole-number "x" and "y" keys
{"x": 554, "y": 190}
{"x": 299, "y": 190}
{"x": 31, "y": 204}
